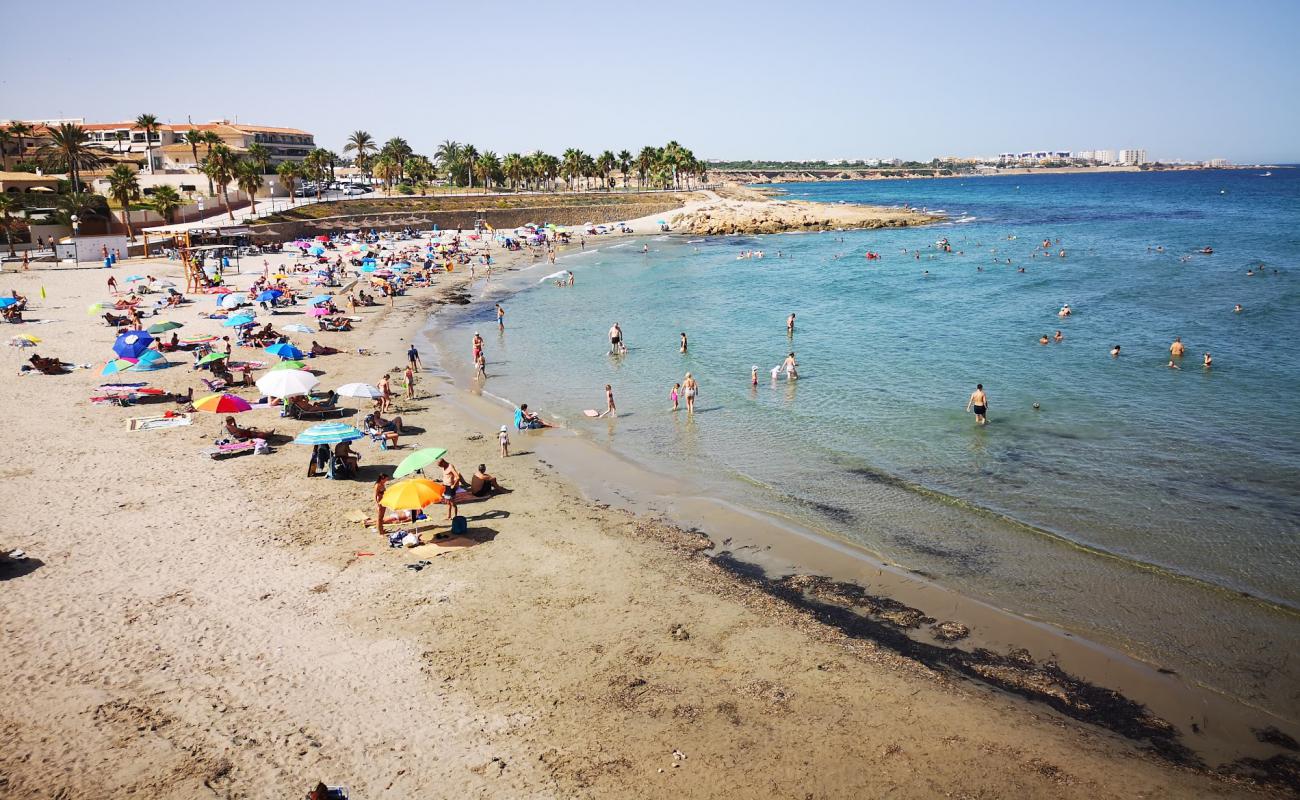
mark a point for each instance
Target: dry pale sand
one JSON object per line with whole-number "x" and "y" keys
{"x": 191, "y": 628}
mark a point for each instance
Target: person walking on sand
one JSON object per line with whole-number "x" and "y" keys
{"x": 683, "y": 347}
{"x": 979, "y": 404}
{"x": 385, "y": 394}
{"x": 611, "y": 410}
{"x": 692, "y": 389}
{"x": 413, "y": 358}
{"x": 112, "y": 285}
{"x": 409, "y": 374}
{"x": 480, "y": 365}
{"x": 503, "y": 437}
{"x": 501, "y": 317}
{"x": 380, "y": 486}
{"x": 789, "y": 325}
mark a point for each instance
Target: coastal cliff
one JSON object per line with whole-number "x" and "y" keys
{"x": 736, "y": 210}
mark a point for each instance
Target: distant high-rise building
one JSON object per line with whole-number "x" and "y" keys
{"x": 1082, "y": 155}
{"x": 1132, "y": 157}
{"x": 1103, "y": 156}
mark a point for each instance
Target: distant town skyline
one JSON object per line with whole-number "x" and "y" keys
{"x": 830, "y": 80}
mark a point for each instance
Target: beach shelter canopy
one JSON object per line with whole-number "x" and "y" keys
{"x": 329, "y": 433}
{"x": 286, "y": 383}
{"x": 163, "y": 327}
{"x": 132, "y": 343}
{"x": 411, "y": 494}
{"x": 117, "y": 365}
{"x": 284, "y": 350}
{"x": 5, "y": 302}
{"x": 237, "y": 321}
{"x": 419, "y": 460}
{"x": 222, "y": 404}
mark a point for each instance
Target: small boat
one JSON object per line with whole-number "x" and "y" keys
{"x": 1266, "y": 174}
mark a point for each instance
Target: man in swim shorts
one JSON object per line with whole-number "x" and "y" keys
{"x": 978, "y": 403}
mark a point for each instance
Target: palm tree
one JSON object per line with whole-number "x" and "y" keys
{"x": 20, "y": 131}
{"x": 123, "y": 186}
{"x": 550, "y": 169}
{"x": 605, "y": 165}
{"x": 5, "y": 140}
{"x": 468, "y": 155}
{"x": 363, "y": 144}
{"x": 248, "y": 175}
{"x": 150, "y": 124}
{"x": 513, "y": 168}
{"x": 69, "y": 149}
{"x": 386, "y": 170}
{"x": 488, "y": 167}
{"x": 165, "y": 201}
{"x": 447, "y": 154}
{"x": 220, "y": 167}
{"x": 10, "y": 204}
{"x": 259, "y": 156}
{"x": 399, "y": 151}
{"x": 289, "y": 173}
{"x": 83, "y": 205}
{"x": 192, "y": 138}
{"x": 624, "y": 164}
{"x": 421, "y": 169}
{"x": 645, "y": 161}
{"x": 570, "y": 165}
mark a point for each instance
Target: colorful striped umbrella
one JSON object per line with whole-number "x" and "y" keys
{"x": 222, "y": 404}
{"x": 329, "y": 433}
{"x": 117, "y": 365}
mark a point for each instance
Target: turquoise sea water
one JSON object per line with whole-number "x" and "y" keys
{"x": 1192, "y": 472}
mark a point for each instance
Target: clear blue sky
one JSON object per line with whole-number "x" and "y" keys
{"x": 756, "y": 79}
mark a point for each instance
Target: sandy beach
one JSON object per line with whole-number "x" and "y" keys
{"x": 188, "y": 627}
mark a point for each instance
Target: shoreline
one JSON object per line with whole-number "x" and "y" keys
{"x": 517, "y": 645}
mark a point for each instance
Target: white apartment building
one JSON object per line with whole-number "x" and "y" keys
{"x": 1132, "y": 157}
{"x": 1103, "y": 156}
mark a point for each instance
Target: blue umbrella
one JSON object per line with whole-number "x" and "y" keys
{"x": 237, "y": 321}
{"x": 5, "y": 302}
{"x": 285, "y": 351}
{"x": 317, "y": 251}
{"x": 368, "y": 268}
{"x": 329, "y": 433}
{"x": 269, "y": 294}
{"x": 152, "y": 356}
{"x": 132, "y": 343}
{"x": 321, "y": 298}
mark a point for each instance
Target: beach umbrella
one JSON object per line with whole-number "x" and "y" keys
{"x": 132, "y": 343}
{"x": 163, "y": 327}
{"x": 321, "y": 298}
{"x": 319, "y": 312}
{"x": 291, "y": 364}
{"x": 5, "y": 302}
{"x": 412, "y": 493}
{"x": 95, "y": 308}
{"x": 147, "y": 363}
{"x": 232, "y": 300}
{"x": 284, "y": 350}
{"x": 317, "y": 251}
{"x": 297, "y": 328}
{"x": 286, "y": 383}
{"x": 211, "y": 357}
{"x": 117, "y": 365}
{"x": 419, "y": 460}
{"x": 362, "y": 390}
{"x": 268, "y": 295}
{"x": 368, "y": 267}
{"x": 322, "y": 238}
{"x": 222, "y": 404}
{"x": 329, "y": 433}
{"x": 237, "y": 321}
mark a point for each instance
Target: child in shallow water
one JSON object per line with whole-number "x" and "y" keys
{"x": 675, "y": 395}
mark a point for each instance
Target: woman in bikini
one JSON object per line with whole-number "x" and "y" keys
{"x": 691, "y": 388}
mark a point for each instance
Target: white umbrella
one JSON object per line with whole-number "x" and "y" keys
{"x": 296, "y": 328}
{"x": 232, "y": 300}
{"x": 286, "y": 383}
{"x": 362, "y": 390}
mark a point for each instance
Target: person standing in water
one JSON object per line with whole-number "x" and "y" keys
{"x": 691, "y": 388}
{"x": 611, "y": 410}
{"x": 790, "y": 366}
{"x": 789, "y": 325}
{"x": 1207, "y": 361}
{"x": 616, "y": 339}
{"x": 753, "y": 375}
{"x": 675, "y": 395}
{"x": 683, "y": 348}
{"x": 979, "y": 404}
{"x": 501, "y": 317}
{"x": 1177, "y": 349}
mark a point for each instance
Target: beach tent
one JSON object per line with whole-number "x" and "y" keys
{"x": 132, "y": 343}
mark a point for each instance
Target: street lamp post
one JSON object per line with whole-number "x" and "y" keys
{"x": 200, "y": 208}
{"x": 76, "y": 226}
{"x": 271, "y": 184}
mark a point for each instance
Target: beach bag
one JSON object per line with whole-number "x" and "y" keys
{"x": 459, "y": 526}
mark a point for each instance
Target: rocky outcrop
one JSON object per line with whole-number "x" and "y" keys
{"x": 774, "y": 216}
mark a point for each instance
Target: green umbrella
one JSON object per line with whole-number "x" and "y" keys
{"x": 290, "y": 365}
{"x": 163, "y": 327}
{"x": 419, "y": 460}
{"x": 210, "y": 357}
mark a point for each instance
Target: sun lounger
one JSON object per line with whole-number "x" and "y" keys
{"x": 324, "y": 413}
{"x": 158, "y": 422}
{"x": 215, "y": 385}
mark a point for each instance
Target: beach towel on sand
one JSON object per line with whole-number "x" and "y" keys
{"x": 158, "y": 422}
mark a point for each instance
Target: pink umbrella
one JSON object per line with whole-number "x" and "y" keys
{"x": 320, "y": 312}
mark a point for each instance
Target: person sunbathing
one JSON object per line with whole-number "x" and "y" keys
{"x": 301, "y": 403}
{"x": 49, "y": 366}
{"x": 124, "y": 304}
{"x": 343, "y": 452}
{"x": 394, "y": 424}
{"x": 12, "y": 314}
{"x": 387, "y": 434}
{"x": 246, "y": 433}
{"x": 335, "y": 324}
{"x": 318, "y": 349}
{"x": 483, "y": 484}
{"x": 115, "y": 321}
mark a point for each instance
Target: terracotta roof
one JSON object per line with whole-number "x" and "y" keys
{"x": 268, "y": 129}
{"x": 26, "y": 176}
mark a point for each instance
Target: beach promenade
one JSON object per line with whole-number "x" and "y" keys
{"x": 191, "y": 628}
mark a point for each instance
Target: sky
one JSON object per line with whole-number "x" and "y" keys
{"x": 730, "y": 80}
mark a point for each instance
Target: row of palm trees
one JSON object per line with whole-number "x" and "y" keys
{"x": 669, "y": 167}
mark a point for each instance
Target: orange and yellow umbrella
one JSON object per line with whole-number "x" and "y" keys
{"x": 412, "y": 494}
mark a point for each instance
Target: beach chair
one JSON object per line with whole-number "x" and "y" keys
{"x": 231, "y": 449}
{"x": 214, "y": 386}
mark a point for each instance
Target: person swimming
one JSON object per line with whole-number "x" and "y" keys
{"x": 1058, "y": 336}
{"x": 1114, "y": 352}
{"x": 1237, "y": 309}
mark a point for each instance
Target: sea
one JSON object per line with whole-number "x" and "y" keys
{"x": 1151, "y": 507}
